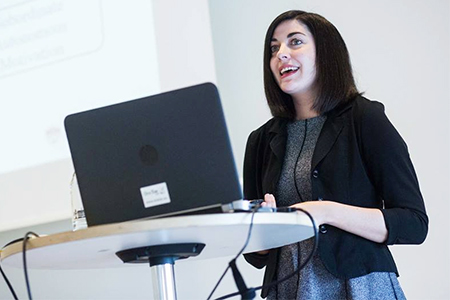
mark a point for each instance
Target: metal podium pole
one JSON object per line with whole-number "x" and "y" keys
{"x": 162, "y": 259}
{"x": 163, "y": 278}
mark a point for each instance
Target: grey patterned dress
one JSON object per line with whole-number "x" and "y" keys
{"x": 314, "y": 281}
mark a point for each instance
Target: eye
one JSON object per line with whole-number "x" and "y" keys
{"x": 274, "y": 48}
{"x": 296, "y": 42}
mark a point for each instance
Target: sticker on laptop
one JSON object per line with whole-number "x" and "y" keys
{"x": 156, "y": 194}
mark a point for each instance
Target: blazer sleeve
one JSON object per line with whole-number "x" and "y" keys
{"x": 251, "y": 189}
{"x": 251, "y": 168}
{"x": 392, "y": 173}
{"x": 259, "y": 261}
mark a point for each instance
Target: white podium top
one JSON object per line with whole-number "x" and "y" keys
{"x": 223, "y": 235}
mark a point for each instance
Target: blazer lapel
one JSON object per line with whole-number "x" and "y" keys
{"x": 278, "y": 148}
{"x": 278, "y": 145}
{"x": 328, "y": 136}
{"x": 278, "y": 141}
{"x": 330, "y": 132}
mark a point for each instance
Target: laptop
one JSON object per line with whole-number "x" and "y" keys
{"x": 162, "y": 155}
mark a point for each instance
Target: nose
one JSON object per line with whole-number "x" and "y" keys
{"x": 283, "y": 53}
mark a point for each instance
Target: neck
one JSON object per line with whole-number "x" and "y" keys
{"x": 306, "y": 115}
{"x": 303, "y": 108}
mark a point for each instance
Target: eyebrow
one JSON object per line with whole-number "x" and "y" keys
{"x": 289, "y": 35}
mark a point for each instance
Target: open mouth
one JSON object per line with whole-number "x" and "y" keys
{"x": 287, "y": 71}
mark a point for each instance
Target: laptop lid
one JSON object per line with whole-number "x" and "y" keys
{"x": 153, "y": 156}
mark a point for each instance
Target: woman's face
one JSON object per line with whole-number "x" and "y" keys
{"x": 293, "y": 61}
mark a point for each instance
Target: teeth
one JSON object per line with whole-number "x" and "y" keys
{"x": 288, "y": 69}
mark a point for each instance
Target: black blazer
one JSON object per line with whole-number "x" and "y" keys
{"x": 360, "y": 159}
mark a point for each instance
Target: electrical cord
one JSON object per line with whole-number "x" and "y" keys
{"x": 310, "y": 256}
{"x": 298, "y": 158}
{"x": 255, "y": 209}
{"x": 8, "y": 283}
{"x": 24, "y": 250}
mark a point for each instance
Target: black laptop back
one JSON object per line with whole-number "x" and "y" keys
{"x": 153, "y": 156}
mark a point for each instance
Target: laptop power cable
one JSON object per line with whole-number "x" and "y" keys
{"x": 249, "y": 293}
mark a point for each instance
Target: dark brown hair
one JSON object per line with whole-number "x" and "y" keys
{"x": 334, "y": 77}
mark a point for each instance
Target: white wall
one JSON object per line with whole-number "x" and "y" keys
{"x": 400, "y": 53}
{"x": 185, "y": 57}
{"x": 59, "y": 57}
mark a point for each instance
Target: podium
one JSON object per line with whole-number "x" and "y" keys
{"x": 206, "y": 236}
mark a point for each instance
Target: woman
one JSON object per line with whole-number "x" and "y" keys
{"x": 333, "y": 153}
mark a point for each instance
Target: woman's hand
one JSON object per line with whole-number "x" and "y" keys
{"x": 269, "y": 201}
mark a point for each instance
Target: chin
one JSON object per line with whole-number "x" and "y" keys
{"x": 288, "y": 91}
{"x": 288, "y": 87}
{"x": 295, "y": 89}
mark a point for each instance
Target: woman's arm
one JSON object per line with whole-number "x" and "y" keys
{"x": 364, "y": 222}
{"x": 391, "y": 171}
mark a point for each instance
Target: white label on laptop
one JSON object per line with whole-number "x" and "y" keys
{"x": 154, "y": 195}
